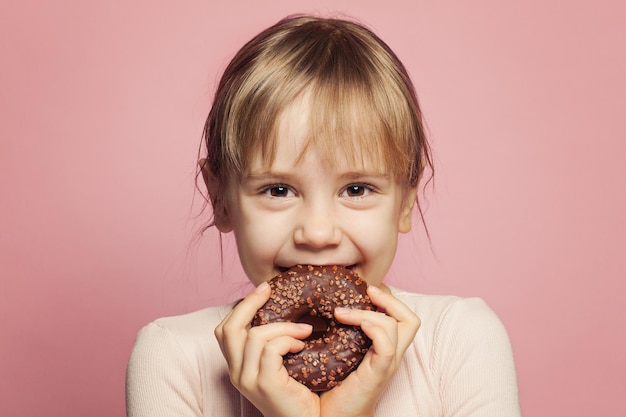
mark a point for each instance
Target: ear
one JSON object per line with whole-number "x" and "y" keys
{"x": 405, "y": 221}
{"x": 220, "y": 211}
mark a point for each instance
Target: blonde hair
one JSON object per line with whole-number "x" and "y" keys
{"x": 361, "y": 95}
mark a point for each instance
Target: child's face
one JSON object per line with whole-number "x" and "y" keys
{"x": 303, "y": 211}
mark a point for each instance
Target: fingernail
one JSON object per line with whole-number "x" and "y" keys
{"x": 342, "y": 310}
{"x": 374, "y": 289}
{"x": 305, "y": 326}
{"x": 262, "y": 287}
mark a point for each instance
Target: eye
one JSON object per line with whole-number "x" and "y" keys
{"x": 278, "y": 190}
{"x": 357, "y": 190}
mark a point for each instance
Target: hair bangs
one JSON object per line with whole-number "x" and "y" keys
{"x": 363, "y": 109}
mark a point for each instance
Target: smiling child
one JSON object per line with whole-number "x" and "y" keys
{"x": 315, "y": 151}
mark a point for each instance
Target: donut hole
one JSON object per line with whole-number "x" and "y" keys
{"x": 321, "y": 326}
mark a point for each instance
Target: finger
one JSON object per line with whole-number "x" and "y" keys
{"x": 244, "y": 311}
{"x": 392, "y": 332}
{"x": 355, "y": 316}
{"x": 391, "y": 305}
{"x": 384, "y": 341}
{"x": 231, "y": 333}
{"x": 376, "y": 319}
{"x": 380, "y": 328}
{"x": 408, "y": 322}
{"x": 260, "y": 338}
{"x": 271, "y": 360}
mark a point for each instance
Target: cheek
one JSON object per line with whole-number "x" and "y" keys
{"x": 376, "y": 228}
{"x": 376, "y": 237}
{"x": 379, "y": 256}
{"x": 255, "y": 256}
{"x": 259, "y": 241}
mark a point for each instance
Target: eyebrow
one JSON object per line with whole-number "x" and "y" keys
{"x": 350, "y": 175}
{"x": 355, "y": 175}
{"x": 253, "y": 175}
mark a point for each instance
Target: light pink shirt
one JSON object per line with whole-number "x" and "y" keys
{"x": 459, "y": 365}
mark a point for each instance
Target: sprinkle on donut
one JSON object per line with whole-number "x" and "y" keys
{"x": 310, "y": 294}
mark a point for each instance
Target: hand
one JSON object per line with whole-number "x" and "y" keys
{"x": 255, "y": 359}
{"x": 391, "y": 332}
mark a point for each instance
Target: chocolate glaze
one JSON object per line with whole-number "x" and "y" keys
{"x": 310, "y": 294}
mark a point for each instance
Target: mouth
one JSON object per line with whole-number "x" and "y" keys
{"x": 283, "y": 269}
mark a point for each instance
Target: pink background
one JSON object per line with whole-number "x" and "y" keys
{"x": 102, "y": 106}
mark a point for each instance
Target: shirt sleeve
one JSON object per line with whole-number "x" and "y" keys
{"x": 161, "y": 380}
{"x": 475, "y": 363}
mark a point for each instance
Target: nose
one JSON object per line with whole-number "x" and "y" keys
{"x": 318, "y": 227}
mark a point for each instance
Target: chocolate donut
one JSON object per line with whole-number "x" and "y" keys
{"x": 310, "y": 294}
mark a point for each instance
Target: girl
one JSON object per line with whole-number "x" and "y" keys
{"x": 315, "y": 148}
